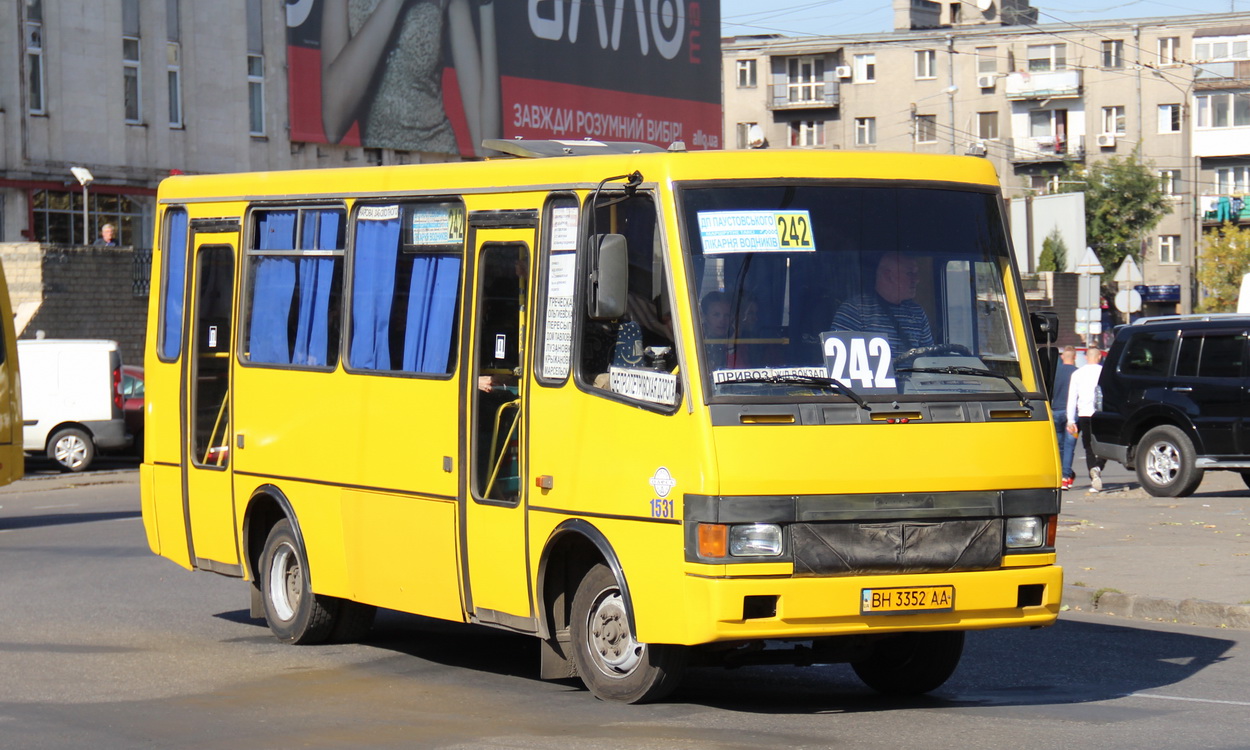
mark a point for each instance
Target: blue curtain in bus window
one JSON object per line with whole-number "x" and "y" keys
{"x": 373, "y": 290}
{"x": 175, "y": 251}
{"x": 431, "y": 313}
{"x": 316, "y": 277}
{"x": 273, "y": 288}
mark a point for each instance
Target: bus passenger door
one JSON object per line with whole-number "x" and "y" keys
{"x": 206, "y": 426}
{"x": 497, "y": 576}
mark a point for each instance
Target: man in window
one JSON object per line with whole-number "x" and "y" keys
{"x": 890, "y": 308}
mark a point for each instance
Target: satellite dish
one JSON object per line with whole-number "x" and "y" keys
{"x": 984, "y": 5}
{"x": 755, "y": 137}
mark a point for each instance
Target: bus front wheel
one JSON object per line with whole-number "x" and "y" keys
{"x": 610, "y": 661}
{"x": 295, "y": 614}
{"x": 911, "y": 663}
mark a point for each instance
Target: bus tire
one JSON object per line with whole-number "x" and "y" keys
{"x": 352, "y": 622}
{"x": 614, "y": 666}
{"x": 72, "y": 449}
{"x": 294, "y": 613}
{"x": 911, "y": 663}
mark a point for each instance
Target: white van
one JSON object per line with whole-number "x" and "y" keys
{"x": 71, "y": 399}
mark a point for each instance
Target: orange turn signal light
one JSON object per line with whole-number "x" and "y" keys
{"x": 713, "y": 540}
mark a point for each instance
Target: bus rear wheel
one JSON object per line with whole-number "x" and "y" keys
{"x": 911, "y": 663}
{"x": 613, "y": 664}
{"x": 294, "y": 613}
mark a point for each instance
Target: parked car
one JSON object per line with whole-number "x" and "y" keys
{"x": 132, "y": 403}
{"x": 71, "y": 399}
{"x": 1173, "y": 402}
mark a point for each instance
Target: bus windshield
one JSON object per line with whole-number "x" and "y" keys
{"x": 892, "y": 292}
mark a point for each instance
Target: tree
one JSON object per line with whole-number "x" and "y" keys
{"x": 1054, "y": 253}
{"x": 1123, "y": 203}
{"x": 1225, "y": 259}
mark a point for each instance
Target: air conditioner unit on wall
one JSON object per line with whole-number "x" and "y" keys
{"x": 1106, "y": 140}
{"x": 976, "y": 148}
{"x": 986, "y": 81}
{"x": 842, "y": 71}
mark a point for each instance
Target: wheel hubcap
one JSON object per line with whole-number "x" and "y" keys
{"x": 70, "y": 451}
{"x": 610, "y": 638}
{"x": 286, "y": 582}
{"x": 1163, "y": 463}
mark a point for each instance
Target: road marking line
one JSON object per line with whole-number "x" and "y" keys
{"x": 54, "y": 507}
{"x": 1188, "y": 700}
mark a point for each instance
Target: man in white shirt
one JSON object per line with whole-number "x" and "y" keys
{"x": 1081, "y": 390}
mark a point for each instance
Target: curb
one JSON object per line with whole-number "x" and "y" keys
{"x": 1190, "y": 611}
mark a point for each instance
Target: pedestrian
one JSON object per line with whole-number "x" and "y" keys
{"x": 108, "y": 236}
{"x": 1059, "y": 408}
{"x": 1081, "y": 390}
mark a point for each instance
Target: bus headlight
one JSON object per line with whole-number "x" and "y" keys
{"x": 1029, "y": 531}
{"x": 755, "y": 540}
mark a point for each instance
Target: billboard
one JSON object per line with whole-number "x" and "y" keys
{"x": 442, "y": 75}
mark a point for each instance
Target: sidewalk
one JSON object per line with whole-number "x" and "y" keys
{"x": 1129, "y": 554}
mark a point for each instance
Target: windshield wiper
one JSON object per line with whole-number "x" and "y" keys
{"x": 958, "y": 370}
{"x": 792, "y": 379}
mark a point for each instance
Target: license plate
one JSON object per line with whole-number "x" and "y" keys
{"x": 909, "y": 599}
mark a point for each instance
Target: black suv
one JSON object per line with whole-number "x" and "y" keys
{"x": 1173, "y": 400}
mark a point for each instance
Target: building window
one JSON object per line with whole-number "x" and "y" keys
{"x": 987, "y": 60}
{"x": 746, "y": 74}
{"x": 987, "y": 126}
{"x": 926, "y": 128}
{"x": 256, "y": 94}
{"x": 926, "y": 63}
{"x": 1113, "y": 120}
{"x": 1223, "y": 48}
{"x": 1169, "y": 118}
{"x": 34, "y": 57}
{"x": 744, "y": 135}
{"x": 865, "y": 131}
{"x": 865, "y": 68}
{"x": 807, "y": 133}
{"x": 1169, "y": 50}
{"x": 130, "y": 77}
{"x": 1047, "y": 57}
{"x": 255, "y": 70}
{"x": 1169, "y": 247}
{"x": 954, "y": 13}
{"x": 1224, "y": 110}
{"x": 1169, "y": 182}
{"x": 58, "y": 217}
{"x": 1113, "y": 53}
{"x": 1232, "y": 180}
{"x": 173, "y": 62}
{"x": 805, "y": 79}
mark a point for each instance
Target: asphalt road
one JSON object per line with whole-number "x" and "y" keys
{"x": 104, "y": 645}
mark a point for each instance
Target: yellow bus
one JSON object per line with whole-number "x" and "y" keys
{"x": 654, "y": 408}
{"x": 12, "y": 456}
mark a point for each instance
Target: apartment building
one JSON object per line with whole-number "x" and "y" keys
{"x": 990, "y": 78}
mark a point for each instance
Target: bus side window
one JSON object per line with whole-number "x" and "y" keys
{"x": 295, "y": 283}
{"x": 634, "y": 356}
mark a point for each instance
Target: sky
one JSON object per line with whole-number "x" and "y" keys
{"x": 825, "y": 17}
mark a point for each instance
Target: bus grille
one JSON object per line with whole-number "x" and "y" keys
{"x": 832, "y": 549}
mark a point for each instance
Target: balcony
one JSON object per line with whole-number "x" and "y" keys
{"x": 1233, "y": 74}
{"x": 1217, "y": 209}
{"x": 1046, "y": 149}
{"x": 799, "y": 96}
{"x": 1054, "y": 84}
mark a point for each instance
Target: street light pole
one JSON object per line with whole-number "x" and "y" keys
{"x": 84, "y": 177}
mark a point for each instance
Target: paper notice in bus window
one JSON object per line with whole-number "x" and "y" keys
{"x": 558, "y": 333}
{"x": 378, "y": 213}
{"x": 564, "y": 228}
{"x": 437, "y": 224}
{"x": 644, "y": 385}
{"x": 756, "y": 232}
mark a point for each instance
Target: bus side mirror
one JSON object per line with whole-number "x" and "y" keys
{"x": 1046, "y": 333}
{"x": 609, "y": 276}
{"x": 1045, "y": 327}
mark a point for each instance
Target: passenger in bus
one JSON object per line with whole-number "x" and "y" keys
{"x": 890, "y": 308}
{"x": 717, "y": 329}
